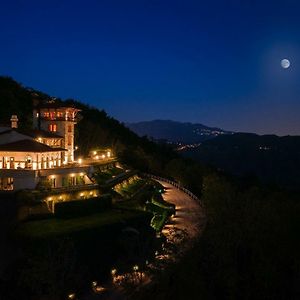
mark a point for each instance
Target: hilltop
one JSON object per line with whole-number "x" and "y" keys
{"x": 176, "y": 132}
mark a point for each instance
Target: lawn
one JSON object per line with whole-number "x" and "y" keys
{"x": 56, "y": 227}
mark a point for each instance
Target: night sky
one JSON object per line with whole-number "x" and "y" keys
{"x": 212, "y": 62}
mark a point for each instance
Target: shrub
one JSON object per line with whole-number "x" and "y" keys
{"x": 159, "y": 221}
{"x": 82, "y": 207}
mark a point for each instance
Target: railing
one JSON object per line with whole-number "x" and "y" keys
{"x": 177, "y": 185}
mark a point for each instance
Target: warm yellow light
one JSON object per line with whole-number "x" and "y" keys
{"x": 60, "y": 197}
{"x": 113, "y": 272}
{"x": 80, "y": 160}
{"x": 94, "y": 283}
{"x": 91, "y": 193}
{"x": 103, "y": 155}
{"x": 82, "y": 194}
{"x": 71, "y": 296}
{"x": 72, "y": 175}
{"x": 97, "y": 157}
{"x": 50, "y": 199}
{"x": 81, "y": 174}
{"x": 52, "y": 176}
{"x": 95, "y": 152}
{"x": 135, "y": 268}
{"x": 108, "y": 154}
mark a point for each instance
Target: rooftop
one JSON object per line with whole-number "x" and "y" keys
{"x": 37, "y": 133}
{"x": 28, "y": 146}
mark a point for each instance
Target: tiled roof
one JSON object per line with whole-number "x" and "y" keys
{"x": 5, "y": 131}
{"x": 28, "y": 146}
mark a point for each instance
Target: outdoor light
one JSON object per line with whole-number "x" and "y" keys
{"x": 72, "y": 175}
{"x": 95, "y": 152}
{"x": 103, "y": 156}
{"x": 108, "y": 153}
{"x": 113, "y": 272}
{"x": 94, "y": 283}
{"x": 135, "y": 268}
{"x": 97, "y": 157}
{"x": 71, "y": 296}
{"x": 80, "y": 160}
{"x": 52, "y": 176}
{"x": 76, "y": 147}
{"x": 81, "y": 174}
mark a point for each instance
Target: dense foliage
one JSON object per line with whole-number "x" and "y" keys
{"x": 270, "y": 158}
{"x": 249, "y": 250}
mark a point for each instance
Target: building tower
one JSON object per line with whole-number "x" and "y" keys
{"x": 58, "y": 119}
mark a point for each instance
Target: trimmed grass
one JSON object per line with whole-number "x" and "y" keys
{"x": 53, "y": 227}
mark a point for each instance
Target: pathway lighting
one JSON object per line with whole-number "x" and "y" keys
{"x": 135, "y": 268}
{"x": 113, "y": 272}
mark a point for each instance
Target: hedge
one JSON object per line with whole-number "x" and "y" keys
{"x": 84, "y": 207}
{"x": 159, "y": 221}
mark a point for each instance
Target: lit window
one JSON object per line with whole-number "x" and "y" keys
{"x": 52, "y": 127}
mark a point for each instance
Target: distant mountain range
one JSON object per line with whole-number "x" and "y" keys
{"x": 176, "y": 132}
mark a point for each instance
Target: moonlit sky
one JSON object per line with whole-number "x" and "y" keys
{"x": 212, "y": 62}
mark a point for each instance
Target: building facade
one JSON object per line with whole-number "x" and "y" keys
{"x": 44, "y": 154}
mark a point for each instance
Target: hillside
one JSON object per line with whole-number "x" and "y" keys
{"x": 176, "y": 132}
{"x": 271, "y": 158}
{"x": 95, "y": 127}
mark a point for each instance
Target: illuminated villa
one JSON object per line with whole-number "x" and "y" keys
{"x": 45, "y": 153}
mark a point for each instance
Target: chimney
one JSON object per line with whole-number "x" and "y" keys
{"x": 14, "y": 121}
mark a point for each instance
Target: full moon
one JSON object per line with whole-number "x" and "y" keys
{"x": 285, "y": 63}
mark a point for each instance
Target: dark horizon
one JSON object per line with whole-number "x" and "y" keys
{"x": 215, "y": 63}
